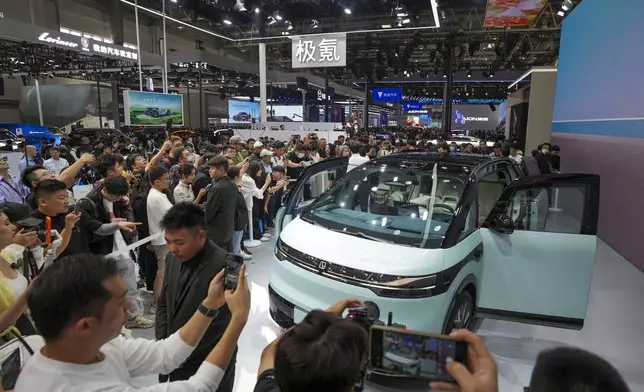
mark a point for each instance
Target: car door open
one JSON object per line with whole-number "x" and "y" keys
{"x": 313, "y": 181}
{"x": 539, "y": 252}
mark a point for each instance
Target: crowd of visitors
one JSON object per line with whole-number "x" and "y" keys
{"x": 193, "y": 208}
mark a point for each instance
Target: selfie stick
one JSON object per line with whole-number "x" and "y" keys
{"x": 250, "y": 242}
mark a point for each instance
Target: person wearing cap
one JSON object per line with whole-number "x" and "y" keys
{"x": 56, "y": 163}
{"x": 85, "y": 147}
{"x": 266, "y": 161}
{"x": 11, "y": 189}
{"x": 256, "y": 155}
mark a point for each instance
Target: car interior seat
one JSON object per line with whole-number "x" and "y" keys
{"x": 489, "y": 189}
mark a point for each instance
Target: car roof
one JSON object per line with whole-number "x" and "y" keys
{"x": 472, "y": 160}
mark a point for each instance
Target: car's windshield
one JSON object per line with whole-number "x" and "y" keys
{"x": 408, "y": 203}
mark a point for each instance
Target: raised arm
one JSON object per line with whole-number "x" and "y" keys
{"x": 69, "y": 175}
{"x": 167, "y": 146}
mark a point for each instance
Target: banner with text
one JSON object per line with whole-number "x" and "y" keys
{"x": 319, "y": 51}
{"x": 387, "y": 94}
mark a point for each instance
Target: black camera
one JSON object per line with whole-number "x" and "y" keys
{"x": 33, "y": 225}
{"x": 365, "y": 316}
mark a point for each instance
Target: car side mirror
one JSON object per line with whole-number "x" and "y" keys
{"x": 503, "y": 224}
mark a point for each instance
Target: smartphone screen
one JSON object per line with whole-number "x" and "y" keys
{"x": 233, "y": 266}
{"x": 10, "y": 369}
{"x": 414, "y": 354}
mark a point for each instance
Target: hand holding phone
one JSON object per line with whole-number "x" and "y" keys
{"x": 404, "y": 353}
{"x": 11, "y": 368}
{"x": 478, "y": 374}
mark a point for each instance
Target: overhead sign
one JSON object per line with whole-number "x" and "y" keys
{"x": 319, "y": 51}
{"x": 45, "y": 37}
{"x": 387, "y": 94}
{"x": 109, "y": 50}
{"x": 144, "y": 108}
{"x": 512, "y": 13}
{"x": 408, "y": 106}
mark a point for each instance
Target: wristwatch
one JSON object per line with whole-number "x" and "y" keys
{"x": 207, "y": 312}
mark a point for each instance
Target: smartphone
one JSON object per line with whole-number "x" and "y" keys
{"x": 10, "y": 369}
{"x": 233, "y": 265}
{"x": 402, "y": 353}
{"x": 77, "y": 208}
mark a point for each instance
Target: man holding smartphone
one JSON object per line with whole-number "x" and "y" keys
{"x": 192, "y": 262}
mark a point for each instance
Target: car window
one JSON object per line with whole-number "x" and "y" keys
{"x": 488, "y": 190}
{"x": 470, "y": 222}
{"x": 553, "y": 210}
{"x": 389, "y": 203}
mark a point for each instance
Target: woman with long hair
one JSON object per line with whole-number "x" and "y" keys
{"x": 253, "y": 194}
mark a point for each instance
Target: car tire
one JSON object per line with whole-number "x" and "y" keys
{"x": 461, "y": 313}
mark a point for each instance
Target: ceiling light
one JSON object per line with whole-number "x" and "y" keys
{"x": 561, "y": 13}
{"x": 405, "y": 21}
{"x": 401, "y": 14}
{"x": 257, "y": 10}
{"x": 278, "y": 16}
{"x": 564, "y": 7}
{"x": 347, "y": 11}
{"x": 226, "y": 21}
{"x": 469, "y": 74}
{"x": 174, "y": 1}
{"x": 491, "y": 74}
{"x": 271, "y": 20}
{"x": 290, "y": 26}
{"x": 386, "y": 26}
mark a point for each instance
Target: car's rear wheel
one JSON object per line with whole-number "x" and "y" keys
{"x": 461, "y": 313}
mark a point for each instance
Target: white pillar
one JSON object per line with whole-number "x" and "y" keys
{"x": 39, "y": 102}
{"x": 165, "y": 53}
{"x": 263, "y": 115}
{"x": 138, "y": 43}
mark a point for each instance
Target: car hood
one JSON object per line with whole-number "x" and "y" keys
{"x": 359, "y": 253}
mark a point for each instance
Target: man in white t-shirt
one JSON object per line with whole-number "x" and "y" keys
{"x": 356, "y": 159}
{"x": 84, "y": 351}
{"x": 157, "y": 205}
{"x": 55, "y": 164}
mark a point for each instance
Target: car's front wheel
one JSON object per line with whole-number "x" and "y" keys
{"x": 461, "y": 313}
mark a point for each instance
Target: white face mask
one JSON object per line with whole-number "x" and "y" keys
{"x": 299, "y": 155}
{"x": 545, "y": 151}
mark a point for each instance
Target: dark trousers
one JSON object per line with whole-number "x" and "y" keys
{"x": 227, "y": 246}
{"x": 148, "y": 263}
{"x": 185, "y": 372}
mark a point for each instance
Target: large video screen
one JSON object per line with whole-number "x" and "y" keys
{"x": 285, "y": 113}
{"x": 243, "y": 112}
{"x": 147, "y": 108}
{"x": 474, "y": 117}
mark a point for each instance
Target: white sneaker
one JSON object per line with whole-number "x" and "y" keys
{"x": 267, "y": 235}
{"x": 245, "y": 255}
{"x": 264, "y": 239}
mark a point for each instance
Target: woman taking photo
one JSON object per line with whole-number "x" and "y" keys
{"x": 183, "y": 191}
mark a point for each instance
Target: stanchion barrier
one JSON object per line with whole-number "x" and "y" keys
{"x": 250, "y": 242}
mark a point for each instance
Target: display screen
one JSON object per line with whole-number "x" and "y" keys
{"x": 412, "y": 355}
{"x": 145, "y": 108}
{"x": 244, "y": 112}
{"x": 475, "y": 117}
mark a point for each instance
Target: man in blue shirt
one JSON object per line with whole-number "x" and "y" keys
{"x": 29, "y": 159}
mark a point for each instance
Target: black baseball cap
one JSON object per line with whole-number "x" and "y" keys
{"x": 19, "y": 214}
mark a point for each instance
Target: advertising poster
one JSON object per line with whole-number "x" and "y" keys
{"x": 512, "y": 13}
{"x": 387, "y": 94}
{"x": 243, "y": 112}
{"x": 146, "y": 108}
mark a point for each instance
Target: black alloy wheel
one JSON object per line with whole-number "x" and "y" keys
{"x": 461, "y": 313}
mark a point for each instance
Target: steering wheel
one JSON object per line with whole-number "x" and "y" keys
{"x": 445, "y": 206}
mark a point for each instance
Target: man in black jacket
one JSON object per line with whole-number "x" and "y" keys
{"x": 221, "y": 204}
{"x": 109, "y": 219}
{"x": 193, "y": 261}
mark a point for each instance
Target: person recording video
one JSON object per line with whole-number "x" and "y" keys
{"x": 84, "y": 350}
{"x": 325, "y": 353}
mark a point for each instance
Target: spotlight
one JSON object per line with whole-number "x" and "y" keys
{"x": 315, "y": 24}
{"x": 561, "y": 13}
{"x": 444, "y": 74}
{"x": 257, "y": 10}
{"x": 401, "y": 14}
{"x": 564, "y": 7}
{"x": 226, "y": 21}
{"x": 347, "y": 11}
{"x": 469, "y": 74}
{"x": 290, "y": 26}
{"x": 386, "y": 26}
{"x": 491, "y": 74}
{"x": 278, "y": 16}
{"x": 405, "y": 21}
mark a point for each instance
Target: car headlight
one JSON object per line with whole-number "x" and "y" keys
{"x": 382, "y": 285}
